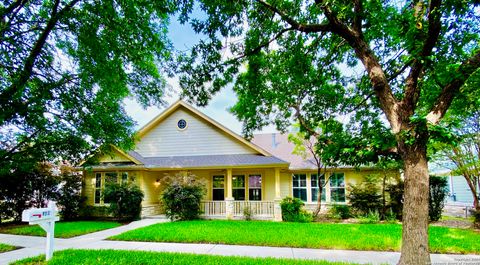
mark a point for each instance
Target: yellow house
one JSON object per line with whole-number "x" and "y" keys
{"x": 238, "y": 172}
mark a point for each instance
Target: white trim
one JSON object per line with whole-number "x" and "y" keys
{"x": 224, "y": 186}
{"x": 247, "y": 183}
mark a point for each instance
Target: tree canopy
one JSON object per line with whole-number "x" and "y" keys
{"x": 390, "y": 70}
{"x": 65, "y": 68}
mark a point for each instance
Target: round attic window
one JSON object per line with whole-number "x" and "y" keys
{"x": 182, "y": 124}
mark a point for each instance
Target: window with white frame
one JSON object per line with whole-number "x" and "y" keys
{"x": 337, "y": 187}
{"x": 218, "y": 189}
{"x": 255, "y": 187}
{"x": 238, "y": 187}
{"x": 316, "y": 183}
{"x": 299, "y": 184}
{"x": 98, "y": 187}
{"x": 103, "y": 179}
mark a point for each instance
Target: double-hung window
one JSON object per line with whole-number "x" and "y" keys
{"x": 98, "y": 187}
{"x": 110, "y": 178}
{"x": 104, "y": 179}
{"x": 218, "y": 190}
{"x": 300, "y": 186}
{"x": 316, "y": 183}
{"x": 238, "y": 191}
{"x": 337, "y": 187}
{"x": 255, "y": 187}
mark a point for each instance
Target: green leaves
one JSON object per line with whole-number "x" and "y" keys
{"x": 95, "y": 55}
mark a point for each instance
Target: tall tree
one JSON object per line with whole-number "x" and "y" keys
{"x": 392, "y": 68}
{"x": 65, "y": 68}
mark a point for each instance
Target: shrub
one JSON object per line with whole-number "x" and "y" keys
{"x": 23, "y": 187}
{"x": 125, "y": 200}
{"x": 291, "y": 209}
{"x": 182, "y": 196}
{"x": 70, "y": 198}
{"x": 340, "y": 211}
{"x": 395, "y": 192}
{"x": 365, "y": 197}
{"x": 94, "y": 212}
{"x": 372, "y": 217}
{"x": 391, "y": 217}
{"x": 476, "y": 217}
{"x": 438, "y": 194}
{"x": 304, "y": 216}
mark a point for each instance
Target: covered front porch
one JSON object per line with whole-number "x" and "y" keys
{"x": 231, "y": 193}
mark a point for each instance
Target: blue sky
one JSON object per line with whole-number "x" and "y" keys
{"x": 183, "y": 37}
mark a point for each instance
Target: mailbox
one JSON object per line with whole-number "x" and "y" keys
{"x": 36, "y": 215}
{"x": 45, "y": 218}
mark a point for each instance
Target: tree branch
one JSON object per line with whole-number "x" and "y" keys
{"x": 358, "y": 16}
{"x": 412, "y": 91}
{"x": 26, "y": 72}
{"x": 306, "y": 28}
{"x": 449, "y": 91}
{"x": 302, "y": 122}
{"x": 257, "y": 49}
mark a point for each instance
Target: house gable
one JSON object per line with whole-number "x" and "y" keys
{"x": 202, "y": 136}
{"x": 117, "y": 156}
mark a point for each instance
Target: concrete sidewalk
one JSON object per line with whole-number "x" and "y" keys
{"x": 34, "y": 246}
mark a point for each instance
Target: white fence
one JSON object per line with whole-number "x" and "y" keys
{"x": 213, "y": 208}
{"x": 257, "y": 208}
{"x": 262, "y": 209}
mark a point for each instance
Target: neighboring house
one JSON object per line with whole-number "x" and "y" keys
{"x": 238, "y": 172}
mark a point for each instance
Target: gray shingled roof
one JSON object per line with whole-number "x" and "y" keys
{"x": 206, "y": 160}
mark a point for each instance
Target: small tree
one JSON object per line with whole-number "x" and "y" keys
{"x": 464, "y": 154}
{"x": 125, "y": 200}
{"x": 438, "y": 194}
{"x": 70, "y": 198}
{"x": 311, "y": 151}
{"x": 182, "y": 196}
{"x": 26, "y": 187}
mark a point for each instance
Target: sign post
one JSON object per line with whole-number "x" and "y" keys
{"x": 45, "y": 218}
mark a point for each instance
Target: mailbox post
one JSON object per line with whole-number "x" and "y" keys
{"x": 45, "y": 218}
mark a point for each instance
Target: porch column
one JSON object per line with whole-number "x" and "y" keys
{"x": 277, "y": 210}
{"x": 229, "y": 199}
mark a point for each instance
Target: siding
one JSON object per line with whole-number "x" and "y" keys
{"x": 114, "y": 157}
{"x": 199, "y": 138}
{"x": 460, "y": 189}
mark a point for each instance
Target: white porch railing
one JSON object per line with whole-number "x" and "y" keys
{"x": 257, "y": 208}
{"x": 213, "y": 208}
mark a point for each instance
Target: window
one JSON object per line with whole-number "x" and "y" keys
{"x": 238, "y": 191}
{"x": 182, "y": 124}
{"x": 315, "y": 186}
{"x": 255, "y": 187}
{"x": 218, "y": 191}
{"x": 300, "y": 186}
{"x": 125, "y": 177}
{"x": 103, "y": 179}
{"x": 337, "y": 187}
{"x": 110, "y": 178}
{"x": 98, "y": 187}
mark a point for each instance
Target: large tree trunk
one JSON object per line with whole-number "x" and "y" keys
{"x": 415, "y": 210}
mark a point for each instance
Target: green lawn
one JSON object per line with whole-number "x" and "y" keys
{"x": 62, "y": 229}
{"x": 382, "y": 237}
{"x": 121, "y": 257}
{"x": 5, "y": 248}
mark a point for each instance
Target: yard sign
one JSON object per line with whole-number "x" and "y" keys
{"x": 45, "y": 218}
